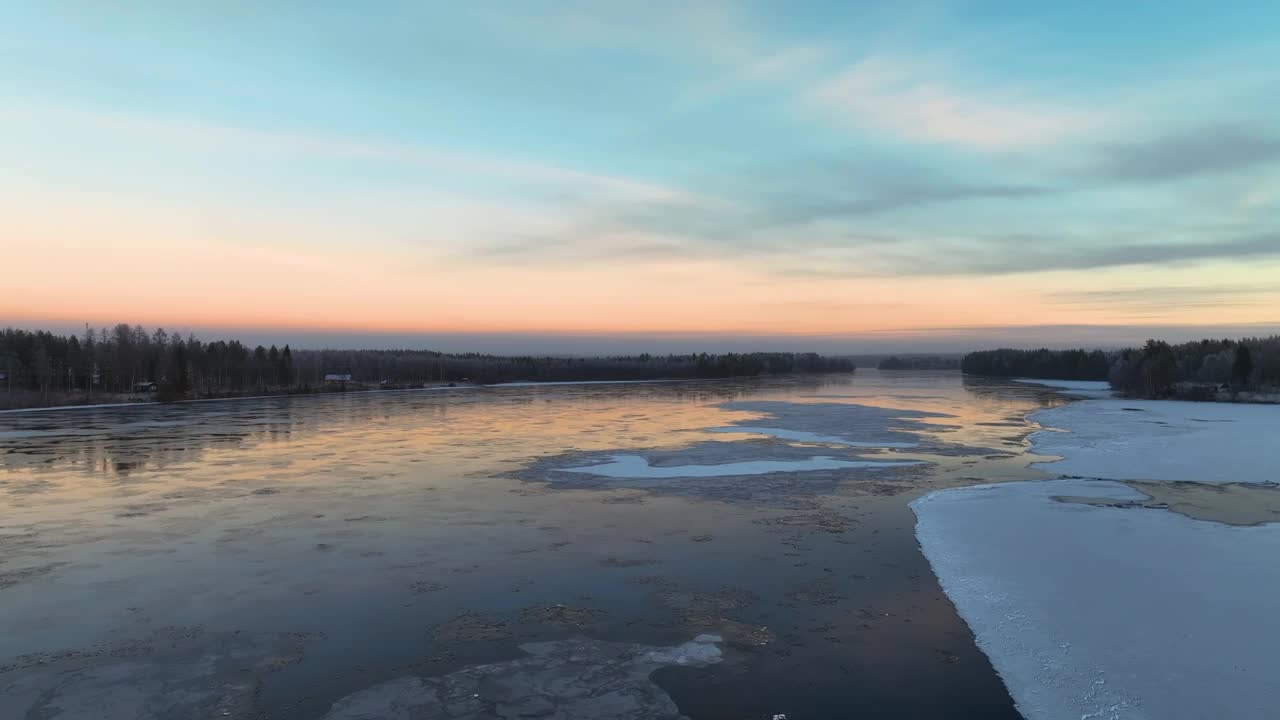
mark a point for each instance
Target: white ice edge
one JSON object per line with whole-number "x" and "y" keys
{"x": 638, "y": 468}
{"x": 801, "y": 436}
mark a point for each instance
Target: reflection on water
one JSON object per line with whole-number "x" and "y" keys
{"x": 363, "y": 521}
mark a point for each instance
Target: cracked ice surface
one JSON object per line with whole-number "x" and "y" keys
{"x": 575, "y": 679}
{"x": 1104, "y": 612}
{"x": 1161, "y": 440}
{"x": 636, "y": 467}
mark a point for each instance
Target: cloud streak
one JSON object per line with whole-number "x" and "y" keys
{"x": 1201, "y": 151}
{"x": 1172, "y": 294}
{"x": 445, "y": 161}
{"x": 894, "y": 95}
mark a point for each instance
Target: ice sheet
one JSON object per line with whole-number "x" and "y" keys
{"x": 1102, "y": 612}
{"x": 637, "y": 467}
{"x": 1162, "y": 440}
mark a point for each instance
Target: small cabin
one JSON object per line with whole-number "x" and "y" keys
{"x": 145, "y": 387}
{"x": 337, "y": 378}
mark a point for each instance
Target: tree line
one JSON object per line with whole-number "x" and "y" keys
{"x": 1194, "y": 370}
{"x": 1197, "y": 370}
{"x": 1042, "y": 363}
{"x": 40, "y": 367}
{"x": 918, "y": 362}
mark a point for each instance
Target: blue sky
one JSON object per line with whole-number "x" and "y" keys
{"x": 768, "y": 169}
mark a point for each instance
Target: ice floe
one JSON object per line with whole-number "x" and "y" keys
{"x": 574, "y": 678}
{"x": 809, "y": 437}
{"x": 1162, "y": 440}
{"x": 1093, "y": 611}
{"x": 637, "y": 467}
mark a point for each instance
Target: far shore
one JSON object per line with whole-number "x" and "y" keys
{"x": 122, "y": 401}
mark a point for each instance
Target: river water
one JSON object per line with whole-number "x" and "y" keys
{"x": 273, "y": 557}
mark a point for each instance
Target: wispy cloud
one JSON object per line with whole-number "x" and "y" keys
{"x": 926, "y": 256}
{"x": 1040, "y": 253}
{"x": 898, "y": 96}
{"x": 204, "y": 135}
{"x": 1163, "y": 298}
{"x": 716, "y": 30}
{"x": 1262, "y": 195}
{"x": 785, "y": 62}
{"x": 1204, "y": 150}
{"x": 874, "y": 199}
{"x": 801, "y": 208}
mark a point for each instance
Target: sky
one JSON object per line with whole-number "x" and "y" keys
{"x": 939, "y": 175}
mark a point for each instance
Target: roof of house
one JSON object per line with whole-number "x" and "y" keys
{"x": 335, "y": 376}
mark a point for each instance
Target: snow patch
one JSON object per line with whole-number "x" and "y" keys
{"x": 637, "y": 467}
{"x": 1101, "y": 612}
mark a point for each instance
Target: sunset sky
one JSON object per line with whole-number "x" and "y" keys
{"x": 839, "y": 170}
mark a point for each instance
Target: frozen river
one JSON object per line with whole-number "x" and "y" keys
{"x": 733, "y": 549}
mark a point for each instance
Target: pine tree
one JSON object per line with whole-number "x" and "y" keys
{"x": 286, "y": 367}
{"x": 1242, "y": 368}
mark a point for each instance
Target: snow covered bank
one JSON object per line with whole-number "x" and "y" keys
{"x": 636, "y": 467}
{"x": 1104, "y": 612}
{"x": 1162, "y": 440}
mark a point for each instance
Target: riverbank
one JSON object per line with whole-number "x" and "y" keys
{"x": 1188, "y": 393}
{"x": 131, "y": 401}
{"x": 69, "y": 401}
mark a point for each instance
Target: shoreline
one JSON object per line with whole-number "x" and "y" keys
{"x": 518, "y": 384}
{"x": 1103, "y": 389}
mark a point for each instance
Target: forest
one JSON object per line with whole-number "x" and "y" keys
{"x": 1043, "y": 363}
{"x": 39, "y": 368}
{"x": 1200, "y": 370}
{"x": 1197, "y": 370}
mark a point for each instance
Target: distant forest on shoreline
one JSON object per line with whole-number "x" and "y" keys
{"x": 1201, "y": 370}
{"x": 919, "y": 362}
{"x": 39, "y": 368}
